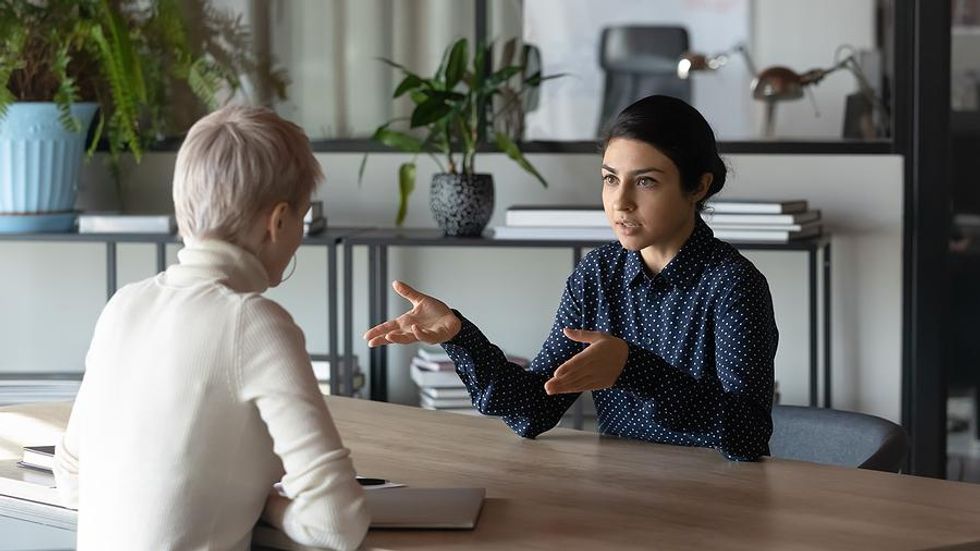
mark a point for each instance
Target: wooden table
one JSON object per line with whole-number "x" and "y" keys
{"x": 571, "y": 490}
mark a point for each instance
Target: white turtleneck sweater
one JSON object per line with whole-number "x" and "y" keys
{"x": 198, "y": 396}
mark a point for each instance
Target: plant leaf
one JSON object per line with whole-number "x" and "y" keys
{"x": 123, "y": 122}
{"x": 430, "y": 111}
{"x": 67, "y": 93}
{"x": 398, "y": 140}
{"x": 457, "y": 63}
{"x": 510, "y": 48}
{"x": 393, "y": 64}
{"x": 96, "y": 135}
{"x": 205, "y": 81}
{"x": 444, "y": 96}
{"x": 410, "y": 82}
{"x": 505, "y": 144}
{"x": 479, "y": 68}
{"x": 406, "y": 185}
{"x": 536, "y": 79}
{"x": 504, "y": 74}
{"x": 360, "y": 171}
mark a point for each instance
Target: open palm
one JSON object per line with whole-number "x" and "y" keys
{"x": 429, "y": 321}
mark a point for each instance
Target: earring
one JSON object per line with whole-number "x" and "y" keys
{"x": 293, "y": 264}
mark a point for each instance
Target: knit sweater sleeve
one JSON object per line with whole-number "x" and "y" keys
{"x": 326, "y": 505}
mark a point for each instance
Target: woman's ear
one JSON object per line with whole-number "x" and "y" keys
{"x": 277, "y": 220}
{"x": 704, "y": 184}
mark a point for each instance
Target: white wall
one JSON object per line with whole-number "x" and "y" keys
{"x": 50, "y": 294}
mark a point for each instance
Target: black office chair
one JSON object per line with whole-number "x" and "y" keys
{"x": 834, "y": 437}
{"x": 640, "y": 61}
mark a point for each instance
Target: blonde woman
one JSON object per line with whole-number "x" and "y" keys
{"x": 198, "y": 393}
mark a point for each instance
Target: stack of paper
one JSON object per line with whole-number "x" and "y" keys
{"x": 41, "y": 387}
{"x": 126, "y": 223}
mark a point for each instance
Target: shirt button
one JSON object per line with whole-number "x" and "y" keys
{"x": 649, "y": 340}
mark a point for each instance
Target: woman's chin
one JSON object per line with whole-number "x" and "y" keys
{"x": 632, "y": 242}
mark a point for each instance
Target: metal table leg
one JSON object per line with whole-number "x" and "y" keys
{"x": 110, "y": 268}
{"x": 161, "y": 256}
{"x": 827, "y": 363}
{"x": 814, "y": 324}
{"x": 382, "y": 313}
{"x": 336, "y": 388}
{"x": 348, "y": 389}
{"x": 378, "y": 392}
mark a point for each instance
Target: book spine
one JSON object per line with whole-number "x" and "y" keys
{"x": 579, "y": 218}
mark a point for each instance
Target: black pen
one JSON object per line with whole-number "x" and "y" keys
{"x": 364, "y": 481}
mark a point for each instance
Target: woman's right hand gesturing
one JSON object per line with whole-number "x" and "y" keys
{"x": 429, "y": 321}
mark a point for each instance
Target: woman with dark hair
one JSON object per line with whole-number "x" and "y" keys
{"x": 671, "y": 329}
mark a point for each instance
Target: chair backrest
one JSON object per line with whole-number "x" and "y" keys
{"x": 640, "y": 61}
{"x": 834, "y": 437}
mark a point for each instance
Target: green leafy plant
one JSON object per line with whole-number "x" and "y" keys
{"x": 132, "y": 57}
{"x": 467, "y": 103}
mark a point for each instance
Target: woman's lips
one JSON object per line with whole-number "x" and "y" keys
{"x": 628, "y": 227}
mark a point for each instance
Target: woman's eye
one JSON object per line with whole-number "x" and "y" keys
{"x": 646, "y": 182}
{"x": 609, "y": 180}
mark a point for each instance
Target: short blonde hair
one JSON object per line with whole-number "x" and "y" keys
{"x": 236, "y": 162}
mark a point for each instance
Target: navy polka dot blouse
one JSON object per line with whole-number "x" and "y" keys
{"x": 701, "y": 338}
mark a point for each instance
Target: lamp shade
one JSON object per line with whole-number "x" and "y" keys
{"x": 777, "y": 83}
{"x": 692, "y": 62}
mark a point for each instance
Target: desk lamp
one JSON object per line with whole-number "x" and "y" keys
{"x": 778, "y": 83}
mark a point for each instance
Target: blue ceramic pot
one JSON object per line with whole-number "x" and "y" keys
{"x": 39, "y": 167}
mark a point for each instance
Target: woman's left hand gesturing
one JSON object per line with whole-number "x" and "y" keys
{"x": 595, "y": 368}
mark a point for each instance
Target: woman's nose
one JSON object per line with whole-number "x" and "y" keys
{"x": 623, "y": 199}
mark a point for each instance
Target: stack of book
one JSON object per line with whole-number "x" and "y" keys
{"x": 321, "y": 369}
{"x": 38, "y": 387}
{"x": 440, "y": 388}
{"x": 556, "y": 222}
{"x": 315, "y": 221}
{"x": 762, "y": 221}
{"x": 31, "y": 477}
{"x": 731, "y": 220}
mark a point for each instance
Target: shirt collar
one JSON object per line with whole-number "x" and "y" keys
{"x": 214, "y": 260}
{"x": 685, "y": 265}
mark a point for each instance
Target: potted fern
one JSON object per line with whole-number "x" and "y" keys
{"x": 467, "y": 103}
{"x": 120, "y": 63}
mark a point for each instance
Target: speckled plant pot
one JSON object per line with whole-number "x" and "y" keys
{"x": 462, "y": 204}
